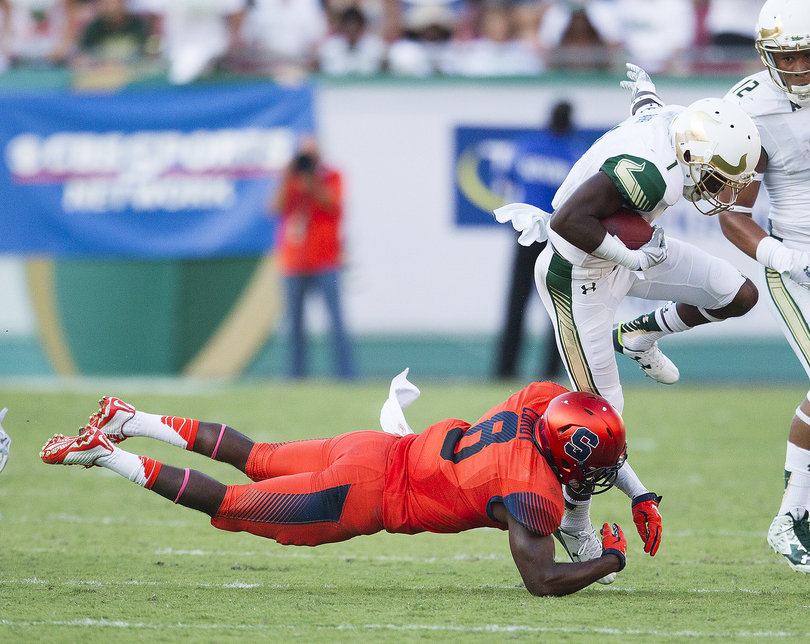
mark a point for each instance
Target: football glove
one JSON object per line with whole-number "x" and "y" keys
{"x": 654, "y": 251}
{"x": 791, "y": 263}
{"x": 614, "y": 543}
{"x": 5, "y": 441}
{"x": 648, "y": 521}
{"x": 642, "y": 88}
{"x": 800, "y": 270}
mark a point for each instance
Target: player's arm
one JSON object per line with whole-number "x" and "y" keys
{"x": 739, "y": 228}
{"x": 577, "y": 220}
{"x": 737, "y": 224}
{"x": 534, "y": 557}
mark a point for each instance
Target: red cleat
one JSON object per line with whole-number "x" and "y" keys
{"x": 83, "y": 449}
{"x": 111, "y": 418}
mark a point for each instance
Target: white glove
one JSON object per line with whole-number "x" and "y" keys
{"x": 654, "y": 251}
{"x": 5, "y": 441}
{"x": 641, "y": 86}
{"x": 800, "y": 271}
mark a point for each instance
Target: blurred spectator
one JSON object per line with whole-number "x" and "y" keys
{"x": 580, "y": 34}
{"x": 286, "y": 33}
{"x": 309, "y": 202}
{"x": 377, "y": 13}
{"x": 424, "y": 47}
{"x": 655, "y": 32}
{"x": 498, "y": 51}
{"x": 115, "y": 34}
{"x": 195, "y": 33}
{"x": 541, "y": 162}
{"x": 352, "y": 50}
{"x": 42, "y": 31}
{"x": 730, "y": 23}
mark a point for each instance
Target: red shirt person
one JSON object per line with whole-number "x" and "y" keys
{"x": 309, "y": 204}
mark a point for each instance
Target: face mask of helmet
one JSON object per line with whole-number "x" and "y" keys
{"x": 708, "y": 189}
{"x": 717, "y": 147}
{"x": 598, "y": 480}
{"x": 784, "y": 28}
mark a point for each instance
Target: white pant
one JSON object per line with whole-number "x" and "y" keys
{"x": 582, "y": 304}
{"x": 790, "y": 305}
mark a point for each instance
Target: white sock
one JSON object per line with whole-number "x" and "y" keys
{"x": 577, "y": 518}
{"x": 797, "y": 481}
{"x": 138, "y": 469}
{"x": 169, "y": 429}
{"x": 641, "y": 333}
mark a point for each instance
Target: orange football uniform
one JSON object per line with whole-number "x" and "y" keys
{"x": 444, "y": 479}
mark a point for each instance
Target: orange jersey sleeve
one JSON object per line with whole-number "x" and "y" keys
{"x": 446, "y": 478}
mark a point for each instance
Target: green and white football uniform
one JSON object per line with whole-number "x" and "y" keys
{"x": 784, "y": 129}
{"x": 581, "y": 292}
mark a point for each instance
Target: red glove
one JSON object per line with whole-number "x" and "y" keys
{"x": 614, "y": 543}
{"x": 648, "y": 521}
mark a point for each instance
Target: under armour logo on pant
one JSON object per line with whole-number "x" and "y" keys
{"x": 586, "y": 288}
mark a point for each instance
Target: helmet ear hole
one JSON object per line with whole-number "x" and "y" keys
{"x": 687, "y": 156}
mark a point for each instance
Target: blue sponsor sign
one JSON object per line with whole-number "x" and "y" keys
{"x": 163, "y": 173}
{"x": 494, "y": 166}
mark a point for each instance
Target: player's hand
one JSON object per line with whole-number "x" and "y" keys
{"x": 639, "y": 81}
{"x": 614, "y": 543}
{"x": 654, "y": 251}
{"x": 5, "y": 441}
{"x": 648, "y": 521}
{"x": 800, "y": 270}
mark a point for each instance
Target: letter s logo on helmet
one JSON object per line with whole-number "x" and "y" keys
{"x": 581, "y": 444}
{"x": 583, "y": 439}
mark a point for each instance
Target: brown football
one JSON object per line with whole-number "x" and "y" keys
{"x": 629, "y": 226}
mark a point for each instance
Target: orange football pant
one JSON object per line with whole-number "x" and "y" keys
{"x": 313, "y": 491}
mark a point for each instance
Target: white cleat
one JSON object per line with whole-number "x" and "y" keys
{"x": 791, "y": 538}
{"x": 583, "y": 545}
{"x": 651, "y": 361}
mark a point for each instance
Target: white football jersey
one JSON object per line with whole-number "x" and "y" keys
{"x": 639, "y": 157}
{"x": 784, "y": 128}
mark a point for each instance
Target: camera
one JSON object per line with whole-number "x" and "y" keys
{"x": 304, "y": 163}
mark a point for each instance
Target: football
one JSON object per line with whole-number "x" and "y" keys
{"x": 629, "y": 226}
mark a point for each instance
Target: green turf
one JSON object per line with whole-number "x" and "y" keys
{"x": 87, "y": 556}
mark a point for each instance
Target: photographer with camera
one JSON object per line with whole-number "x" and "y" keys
{"x": 309, "y": 203}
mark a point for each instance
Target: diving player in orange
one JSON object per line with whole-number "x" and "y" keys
{"x": 505, "y": 471}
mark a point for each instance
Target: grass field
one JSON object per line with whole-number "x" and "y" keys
{"x": 87, "y": 556}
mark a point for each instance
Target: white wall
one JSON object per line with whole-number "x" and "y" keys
{"x": 411, "y": 269}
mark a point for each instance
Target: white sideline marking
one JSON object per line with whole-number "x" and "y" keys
{"x": 240, "y": 585}
{"x": 489, "y": 628}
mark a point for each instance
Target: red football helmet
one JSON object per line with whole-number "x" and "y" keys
{"x": 583, "y": 439}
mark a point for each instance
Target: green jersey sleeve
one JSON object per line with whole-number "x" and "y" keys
{"x": 639, "y": 180}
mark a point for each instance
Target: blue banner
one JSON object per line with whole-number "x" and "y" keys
{"x": 484, "y": 166}
{"x": 162, "y": 173}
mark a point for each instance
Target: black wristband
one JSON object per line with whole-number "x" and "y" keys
{"x": 650, "y": 496}
{"x": 619, "y": 554}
